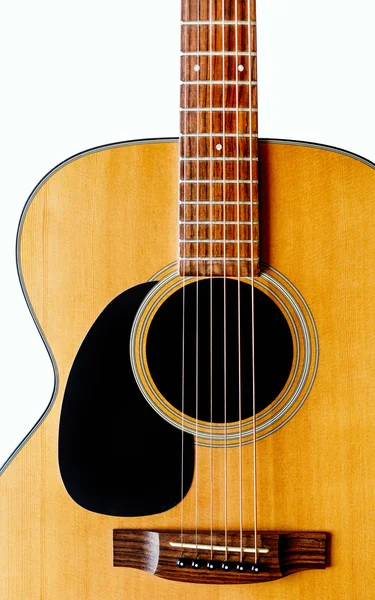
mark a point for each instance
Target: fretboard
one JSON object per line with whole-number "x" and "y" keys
{"x": 219, "y": 230}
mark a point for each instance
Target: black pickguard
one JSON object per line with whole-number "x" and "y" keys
{"x": 117, "y": 456}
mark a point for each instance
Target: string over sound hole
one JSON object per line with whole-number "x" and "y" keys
{"x": 217, "y": 354}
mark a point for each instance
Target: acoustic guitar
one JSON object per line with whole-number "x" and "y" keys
{"x": 207, "y": 305}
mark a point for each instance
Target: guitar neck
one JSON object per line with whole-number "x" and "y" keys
{"x": 219, "y": 224}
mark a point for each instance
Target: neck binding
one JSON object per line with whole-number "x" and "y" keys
{"x": 219, "y": 232}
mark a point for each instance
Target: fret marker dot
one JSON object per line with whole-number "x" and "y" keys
{"x": 241, "y": 68}
{"x": 219, "y": 147}
{"x": 196, "y": 68}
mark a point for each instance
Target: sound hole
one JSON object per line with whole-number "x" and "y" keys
{"x": 273, "y": 350}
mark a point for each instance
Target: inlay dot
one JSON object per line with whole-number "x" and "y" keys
{"x": 241, "y": 68}
{"x": 219, "y": 147}
{"x": 196, "y": 68}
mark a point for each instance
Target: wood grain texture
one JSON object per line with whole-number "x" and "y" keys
{"x": 288, "y": 553}
{"x": 218, "y": 38}
{"x": 217, "y": 68}
{"x": 107, "y": 221}
{"x": 194, "y": 10}
{"x": 219, "y": 127}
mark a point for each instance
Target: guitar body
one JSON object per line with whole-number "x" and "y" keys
{"x": 104, "y": 223}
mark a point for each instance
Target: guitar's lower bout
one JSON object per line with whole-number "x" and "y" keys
{"x": 104, "y": 222}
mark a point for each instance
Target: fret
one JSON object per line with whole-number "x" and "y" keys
{"x": 226, "y": 135}
{"x": 211, "y": 68}
{"x": 219, "y": 110}
{"x": 217, "y": 239}
{"x": 214, "y": 53}
{"x": 212, "y": 38}
{"x": 197, "y": 181}
{"x": 218, "y": 202}
{"x": 218, "y": 96}
{"x": 215, "y": 213}
{"x": 220, "y": 248}
{"x": 219, "y": 158}
{"x": 219, "y": 265}
{"x": 217, "y": 249}
{"x": 205, "y": 267}
{"x": 208, "y": 202}
{"x": 191, "y": 259}
{"x": 216, "y": 268}
{"x": 219, "y": 233}
{"x": 194, "y": 123}
{"x": 218, "y": 82}
{"x": 213, "y": 223}
{"x": 219, "y": 197}
{"x": 194, "y": 11}
{"x": 205, "y": 171}
{"x": 221, "y": 202}
{"x": 214, "y": 191}
{"x": 218, "y": 147}
{"x": 211, "y": 211}
{"x": 212, "y": 22}
{"x": 217, "y": 122}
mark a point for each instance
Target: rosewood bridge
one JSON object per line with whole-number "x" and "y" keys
{"x": 218, "y": 558}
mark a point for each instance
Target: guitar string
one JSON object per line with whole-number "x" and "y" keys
{"x": 255, "y": 516}
{"x": 224, "y": 295}
{"x": 211, "y": 284}
{"x": 184, "y": 152}
{"x": 197, "y": 290}
{"x": 238, "y": 275}
{"x": 238, "y": 287}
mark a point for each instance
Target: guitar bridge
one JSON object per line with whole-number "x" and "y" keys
{"x": 220, "y": 558}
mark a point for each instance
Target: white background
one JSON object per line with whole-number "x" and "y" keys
{"x": 80, "y": 73}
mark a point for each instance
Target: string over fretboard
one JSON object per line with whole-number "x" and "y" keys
{"x": 219, "y": 216}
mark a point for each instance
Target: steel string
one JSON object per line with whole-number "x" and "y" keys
{"x": 197, "y": 292}
{"x": 239, "y": 289}
{"x": 211, "y": 286}
{"x": 184, "y": 153}
{"x": 255, "y": 491}
{"x": 224, "y": 297}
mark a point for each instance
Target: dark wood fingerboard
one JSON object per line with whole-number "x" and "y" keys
{"x": 219, "y": 228}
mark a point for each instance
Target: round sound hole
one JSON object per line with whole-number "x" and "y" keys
{"x": 203, "y": 359}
